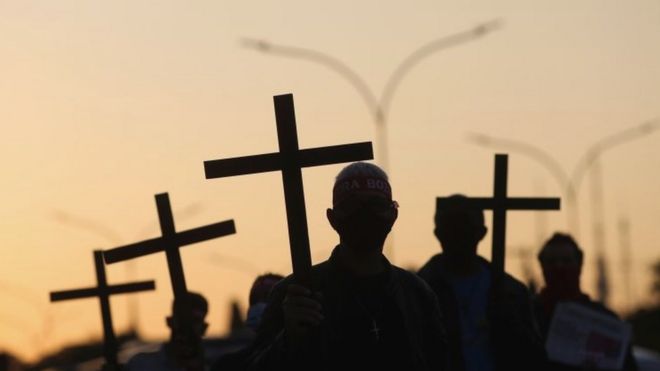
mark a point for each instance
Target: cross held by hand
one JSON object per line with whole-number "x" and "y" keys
{"x": 290, "y": 160}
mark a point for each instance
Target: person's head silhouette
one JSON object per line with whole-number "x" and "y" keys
{"x": 199, "y": 308}
{"x": 459, "y": 228}
{"x": 363, "y": 211}
{"x": 561, "y": 261}
{"x": 259, "y": 294}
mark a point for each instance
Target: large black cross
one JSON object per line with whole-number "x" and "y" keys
{"x": 103, "y": 292}
{"x": 500, "y": 203}
{"x": 290, "y": 160}
{"x": 170, "y": 242}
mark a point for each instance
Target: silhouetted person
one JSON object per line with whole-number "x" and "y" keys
{"x": 259, "y": 294}
{"x": 175, "y": 354}
{"x": 258, "y": 299}
{"x": 561, "y": 261}
{"x": 489, "y": 328}
{"x": 360, "y": 312}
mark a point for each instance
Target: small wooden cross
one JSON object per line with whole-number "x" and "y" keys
{"x": 500, "y": 203}
{"x": 170, "y": 242}
{"x": 103, "y": 292}
{"x": 290, "y": 160}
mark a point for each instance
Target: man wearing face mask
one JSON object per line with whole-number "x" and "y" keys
{"x": 561, "y": 261}
{"x": 360, "y": 311}
{"x": 490, "y": 327}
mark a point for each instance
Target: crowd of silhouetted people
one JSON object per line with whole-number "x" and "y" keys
{"x": 357, "y": 311}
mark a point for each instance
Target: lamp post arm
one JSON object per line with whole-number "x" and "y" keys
{"x": 321, "y": 58}
{"x": 425, "y": 51}
{"x": 531, "y": 151}
{"x": 89, "y": 225}
{"x": 622, "y": 137}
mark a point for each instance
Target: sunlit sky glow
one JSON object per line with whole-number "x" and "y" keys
{"x": 105, "y": 104}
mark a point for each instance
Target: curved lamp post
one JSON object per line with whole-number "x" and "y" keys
{"x": 378, "y": 107}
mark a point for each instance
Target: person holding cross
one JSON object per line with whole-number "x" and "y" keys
{"x": 175, "y": 354}
{"x": 357, "y": 311}
{"x": 488, "y": 317}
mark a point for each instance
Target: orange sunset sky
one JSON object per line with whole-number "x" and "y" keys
{"x": 105, "y": 103}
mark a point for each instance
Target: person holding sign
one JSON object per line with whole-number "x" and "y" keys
{"x": 174, "y": 354}
{"x": 490, "y": 326}
{"x": 358, "y": 311}
{"x": 561, "y": 261}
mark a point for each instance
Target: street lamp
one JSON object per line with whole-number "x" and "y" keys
{"x": 571, "y": 185}
{"x": 379, "y": 107}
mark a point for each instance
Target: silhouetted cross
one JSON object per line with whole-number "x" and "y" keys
{"x": 170, "y": 242}
{"x": 500, "y": 203}
{"x": 290, "y": 160}
{"x": 103, "y": 292}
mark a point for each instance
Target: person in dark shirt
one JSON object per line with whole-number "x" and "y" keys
{"x": 490, "y": 326}
{"x": 360, "y": 311}
{"x": 561, "y": 261}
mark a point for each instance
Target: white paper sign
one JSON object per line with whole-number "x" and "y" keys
{"x": 582, "y": 336}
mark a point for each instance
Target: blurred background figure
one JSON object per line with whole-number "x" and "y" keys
{"x": 9, "y": 363}
{"x": 242, "y": 336}
{"x": 561, "y": 261}
{"x": 490, "y": 326}
{"x": 259, "y": 298}
{"x": 175, "y": 354}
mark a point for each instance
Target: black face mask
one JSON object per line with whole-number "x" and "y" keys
{"x": 364, "y": 230}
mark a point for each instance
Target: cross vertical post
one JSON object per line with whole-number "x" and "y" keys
{"x": 168, "y": 232}
{"x": 294, "y": 194}
{"x": 499, "y": 211}
{"x": 109, "y": 338}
